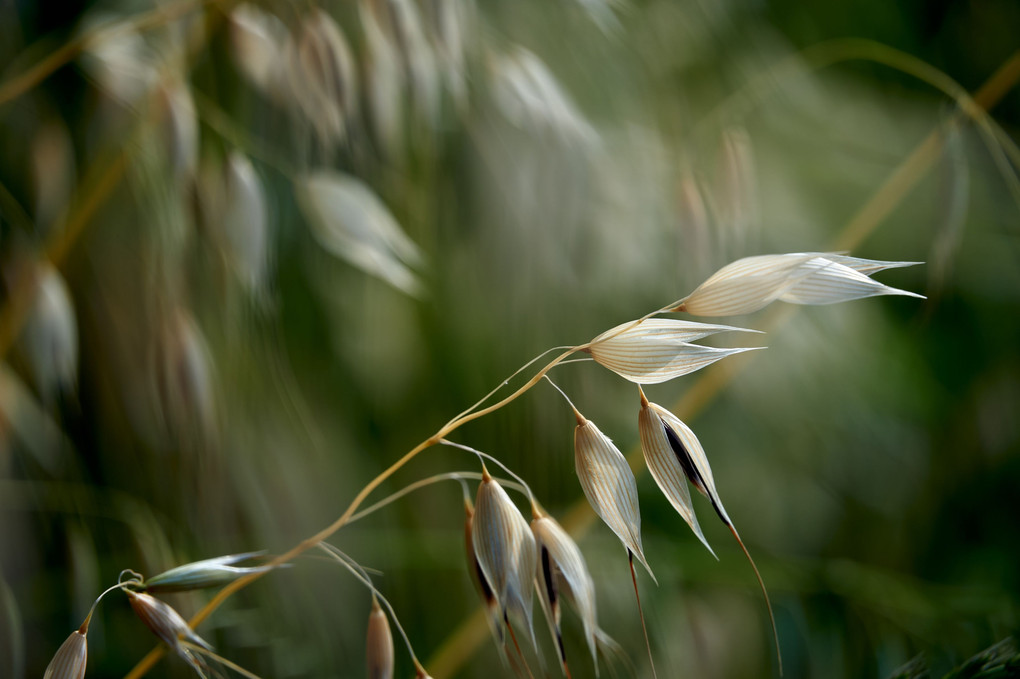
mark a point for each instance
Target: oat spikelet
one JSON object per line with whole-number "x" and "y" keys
{"x": 70, "y": 659}
{"x": 692, "y": 461}
{"x": 206, "y": 573}
{"x": 658, "y": 349}
{"x": 609, "y": 485}
{"x": 560, "y": 560}
{"x": 752, "y": 283}
{"x": 666, "y": 469}
{"x": 167, "y": 624}
{"x": 506, "y": 550}
{"x": 379, "y": 644}
{"x": 482, "y": 586}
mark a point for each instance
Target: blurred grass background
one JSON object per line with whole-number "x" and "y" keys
{"x": 196, "y": 394}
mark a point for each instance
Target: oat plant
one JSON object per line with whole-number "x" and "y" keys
{"x": 234, "y": 238}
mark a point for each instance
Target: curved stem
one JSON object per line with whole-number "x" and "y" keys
{"x": 362, "y": 576}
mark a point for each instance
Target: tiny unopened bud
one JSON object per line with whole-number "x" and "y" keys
{"x": 379, "y": 644}
{"x": 70, "y": 659}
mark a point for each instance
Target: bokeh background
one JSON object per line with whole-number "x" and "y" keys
{"x": 252, "y": 254}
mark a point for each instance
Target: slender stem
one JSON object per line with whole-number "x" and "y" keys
{"x": 641, "y": 613}
{"x": 362, "y": 576}
{"x": 768, "y": 603}
{"x": 421, "y": 483}
{"x": 494, "y": 460}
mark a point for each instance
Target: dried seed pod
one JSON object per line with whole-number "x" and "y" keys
{"x": 656, "y": 349}
{"x": 50, "y": 335}
{"x": 379, "y": 644}
{"x": 751, "y": 283}
{"x": 482, "y": 586}
{"x": 70, "y": 659}
{"x": 667, "y": 468}
{"x": 505, "y": 548}
{"x": 609, "y": 485}
{"x": 167, "y": 624}
{"x": 322, "y": 76}
{"x": 206, "y": 573}
{"x": 560, "y": 560}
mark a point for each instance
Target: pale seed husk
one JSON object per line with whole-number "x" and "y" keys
{"x": 656, "y": 350}
{"x": 609, "y": 485}
{"x": 560, "y": 557}
{"x": 665, "y": 467}
{"x": 752, "y": 283}
{"x": 492, "y": 606}
{"x": 506, "y": 550}
{"x": 70, "y": 659}
{"x": 168, "y": 625}
{"x": 206, "y": 573}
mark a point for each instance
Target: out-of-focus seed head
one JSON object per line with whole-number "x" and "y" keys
{"x": 385, "y": 76}
{"x": 257, "y": 39}
{"x": 350, "y": 221}
{"x": 50, "y": 335}
{"x": 122, "y": 63}
{"x": 379, "y": 644}
{"x": 178, "y": 119}
{"x": 609, "y": 485}
{"x": 70, "y": 659}
{"x": 666, "y": 469}
{"x": 505, "y": 548}
{"x": 53, "y": 171}
{"x": 560, "y": 559}
{"x": 184, "y": 379}
{"x": 450, "y": 26}
{"x": 246, "y": 223}
{"x": 657, "y": 349}
{"x": 322, "y": 76}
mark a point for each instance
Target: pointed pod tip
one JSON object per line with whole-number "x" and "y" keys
{"x": 644, "y": 399}
{"x": 581, "y": 421}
